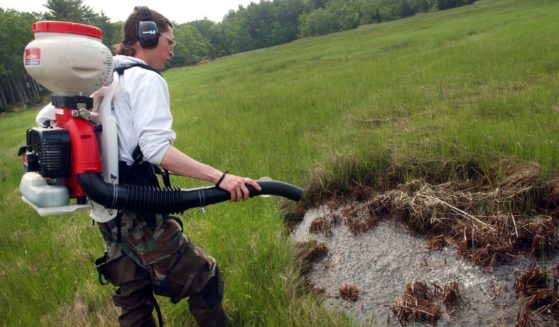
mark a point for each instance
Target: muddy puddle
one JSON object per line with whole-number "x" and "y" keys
{"x": 382, "y": 260}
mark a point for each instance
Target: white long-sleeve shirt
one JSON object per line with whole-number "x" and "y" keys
{"x": 141, "y": 107}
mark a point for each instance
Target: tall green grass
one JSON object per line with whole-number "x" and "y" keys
{"x": 476, "y": 83}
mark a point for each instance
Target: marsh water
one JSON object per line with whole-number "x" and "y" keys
{"x": 382, "y": 260}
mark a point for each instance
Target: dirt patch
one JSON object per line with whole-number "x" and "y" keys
{"x": 489, "y": 219}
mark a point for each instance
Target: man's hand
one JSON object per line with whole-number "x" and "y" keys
{"x": 237, "y": 186}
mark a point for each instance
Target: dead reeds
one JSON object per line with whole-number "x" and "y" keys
{"x": 309, "y": 253}
{"x": 359, "y": 217}
{"x": 437, "y": 243}
{"x": 509, "y": 236}
{"x": 422, "y": 301}
{"x": 538, "y": 298}
{"x": 321, "y": 225}
{"x": 489, "y": 225}
{"x": 349, "y": 293}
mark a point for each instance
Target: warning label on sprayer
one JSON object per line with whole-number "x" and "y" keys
{"x": 32, "y": 56}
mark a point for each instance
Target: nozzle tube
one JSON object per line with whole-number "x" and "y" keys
{"x": 171, "y": 200}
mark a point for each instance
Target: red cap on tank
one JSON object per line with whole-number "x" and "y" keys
{"x": 47, "y": 26}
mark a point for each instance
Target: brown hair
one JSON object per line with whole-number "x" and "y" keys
{"x": 129, "y": 32}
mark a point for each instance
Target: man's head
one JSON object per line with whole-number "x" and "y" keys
{"x": 147, "y": 35}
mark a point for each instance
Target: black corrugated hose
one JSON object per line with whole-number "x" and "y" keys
{"x": 171, "y": 200}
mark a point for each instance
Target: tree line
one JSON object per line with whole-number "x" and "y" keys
{"x": 255, "y": 26}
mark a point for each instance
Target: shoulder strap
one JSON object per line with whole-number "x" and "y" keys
{"x": 120, "y": 70}
{"x": 138, "y": 157}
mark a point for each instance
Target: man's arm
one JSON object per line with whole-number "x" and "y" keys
{"x": 179, "y": 163}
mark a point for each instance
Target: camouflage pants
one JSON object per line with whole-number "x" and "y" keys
{"x": 154, "y": 256}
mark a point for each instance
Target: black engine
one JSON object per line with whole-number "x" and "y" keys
{"x": 47, "y": 152}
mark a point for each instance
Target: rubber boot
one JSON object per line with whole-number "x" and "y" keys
{"x": 206, "y": 306}
{"x": 135, "y": 300}
{"x": 206, "y": 316}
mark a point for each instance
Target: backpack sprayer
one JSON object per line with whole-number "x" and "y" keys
{"x": 77, "y": 158}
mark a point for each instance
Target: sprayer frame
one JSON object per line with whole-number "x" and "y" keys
{"x": 82, "y": 140}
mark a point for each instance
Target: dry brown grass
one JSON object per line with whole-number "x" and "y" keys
{"x": 309, "y": 253}
{"x": 473, "y": 220}
{"x": 538, "y": 301}
{"x": 422, "y": 301}
{"x": 436, "y": 243}
{"x": 321, "y": 225}
{"x": 490, "y": 224}
{"x": 86, "y": 310}
{"x": 349, "y": 293}
{"x": 509, "y": 236}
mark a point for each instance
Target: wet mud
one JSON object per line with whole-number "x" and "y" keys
{"x": 382, "y": 260}
{"x": 366, "y": 274}
{"x": 436, "y": 243}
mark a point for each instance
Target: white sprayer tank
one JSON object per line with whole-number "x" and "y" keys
{"x": 68, "y": 58}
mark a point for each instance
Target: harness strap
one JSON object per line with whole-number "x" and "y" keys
{"x": 157, "y": 310}
{"x": 138, "y": 157}
{"x": 119, "y": 227}
{"x": 120, "y": 70}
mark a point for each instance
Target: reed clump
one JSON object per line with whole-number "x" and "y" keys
{"x": 489, "y": 215}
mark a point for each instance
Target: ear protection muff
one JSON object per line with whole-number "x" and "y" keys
{"x": 148, "y": 33}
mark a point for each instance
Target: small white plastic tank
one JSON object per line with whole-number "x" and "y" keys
{"x": 68, "y": 58}
{"x": 36, "y": 189}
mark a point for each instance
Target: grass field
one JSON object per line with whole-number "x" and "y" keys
{"x": 477, "y": 83}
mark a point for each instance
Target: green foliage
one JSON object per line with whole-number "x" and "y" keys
{"x": 406, "y": 9}
{"x": 285, "y": 26}
{"x": 315, "y": 4}
{"x": 210, "y": 32}
{"x": 110, "y": 30}
{"x": 346, "y": 14}
{"x": 317, "y": 22}
{"x": 191, "y": 46}
{"x": 447, "y": 4}
{"x": 260, "y": 25}
{"x": 16, "y": 33}
{"x": 69, "y": 10}
{"x": 335, "y": 16}
{"x": 341, "y": 15}
{"x": 76, "y": 11}
{"x": 116, "y": 37}
{"x": 235, "y": 37}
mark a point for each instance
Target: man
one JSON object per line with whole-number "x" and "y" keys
{"x": 147, "y": 252}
